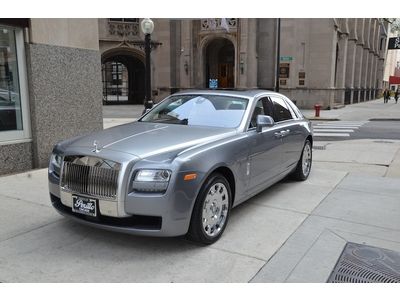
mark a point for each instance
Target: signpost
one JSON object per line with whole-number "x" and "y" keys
{"x": 286, "y": 58}
{"x": 213, "y": 83}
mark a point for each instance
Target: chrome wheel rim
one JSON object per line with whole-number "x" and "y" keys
{"x": 215, "y": 209}
{"x": 306, "y": 161}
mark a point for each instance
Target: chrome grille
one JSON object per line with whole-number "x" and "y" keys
{"x": 90, "y": 180}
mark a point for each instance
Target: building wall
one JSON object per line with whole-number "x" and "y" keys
{"x": 74, "y": 33}
{"x": 331, "y": 61}
{"x": 64, "y": 89}
{"x": 65, "y": 95}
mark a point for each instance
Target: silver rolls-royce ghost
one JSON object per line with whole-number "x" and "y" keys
{"x": 182, "y": 166}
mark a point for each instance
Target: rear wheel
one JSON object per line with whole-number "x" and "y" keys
{"x": 211, "y": 210}
{"x": 303, "y": 168}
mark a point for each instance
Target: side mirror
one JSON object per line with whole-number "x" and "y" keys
{"x": 264, "y": 121}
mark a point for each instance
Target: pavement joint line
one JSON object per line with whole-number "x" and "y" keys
{"x": 281, "y": 246}
{"x": 238, "y": 253}
{"x": 305, "y": 253}
{"x": 351, "y": 162}
{"x": 32, "y": 229}
{"x": 393, "y": 159}
{"x": 330, "y": 192}
{"x": 369, "y": 236}
{"x": 363, "y": 192}
{"x": 352, "y": 222}
{"x": 28, "y": 201}
{"x": 279, "y": 208}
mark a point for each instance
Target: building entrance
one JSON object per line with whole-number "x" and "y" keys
{"x": 123, "y": 78}
{"x": 220, "y": 63}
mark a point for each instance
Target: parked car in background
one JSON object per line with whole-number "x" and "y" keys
{"x": 8, "y": 110}
{"x": 182, "y": 166}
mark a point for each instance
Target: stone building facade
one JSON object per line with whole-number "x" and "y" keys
{"x": 326, "y": 61}
{"x": 50, "y": 87}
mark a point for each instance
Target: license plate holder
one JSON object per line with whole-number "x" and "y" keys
{"x": 85, "y": 206}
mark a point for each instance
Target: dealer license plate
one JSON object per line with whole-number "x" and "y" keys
{"x": 84, "y": 205}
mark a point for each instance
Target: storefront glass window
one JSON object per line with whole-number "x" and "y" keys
{"x": 10, "y": 96}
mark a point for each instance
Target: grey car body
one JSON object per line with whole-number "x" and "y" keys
{"x": 250, "y": 159}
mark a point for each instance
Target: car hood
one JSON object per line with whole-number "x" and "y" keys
{"x": 144, "y": 139}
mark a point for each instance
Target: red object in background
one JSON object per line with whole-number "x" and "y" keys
{"x": 394, "y": 80}
{"x": 317, "y": 108}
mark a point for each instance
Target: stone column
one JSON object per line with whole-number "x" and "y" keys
{"x": 350, "y": 68}
{"x": 186, "y": 62}
{"x": 341, "y": 68}
{"x": 250, "y": 65}
{"x": 359, "y": 60}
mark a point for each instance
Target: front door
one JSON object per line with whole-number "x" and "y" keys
{"x": 265, "y": 150}
{"x": 225, "y": 75}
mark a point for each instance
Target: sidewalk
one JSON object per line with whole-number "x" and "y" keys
{"x": 364, "y": 111}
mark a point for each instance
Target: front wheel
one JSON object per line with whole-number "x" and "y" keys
{"x": 303, "y": 168}
{"x": 211, "y": 210}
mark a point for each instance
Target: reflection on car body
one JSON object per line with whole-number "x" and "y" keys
{"x": 182, "y": 166}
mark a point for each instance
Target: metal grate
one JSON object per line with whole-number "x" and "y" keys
{"x": 319, "y": 147}
{"x": 90, "y": 180}
{"x": 361, "y": 263}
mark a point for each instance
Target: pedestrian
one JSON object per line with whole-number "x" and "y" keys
{"x": 396, "y": 94}
{"x": 385, "y": 96}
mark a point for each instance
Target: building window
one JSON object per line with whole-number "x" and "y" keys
{"x": 125, "y": 20}
{"x": 14, "y": 120}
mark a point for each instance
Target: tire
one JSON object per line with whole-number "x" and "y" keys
{"x": 211, "y": 211}
{"x": 303, "y": 167}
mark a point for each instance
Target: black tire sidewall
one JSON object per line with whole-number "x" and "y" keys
{"x": 304, "y": 177}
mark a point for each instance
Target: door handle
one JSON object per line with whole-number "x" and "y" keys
{"x": 285, "y": 132}
{"x": 278, "y": 134}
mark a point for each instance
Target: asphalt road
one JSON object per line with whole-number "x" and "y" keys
{"x": 370, "y": 130}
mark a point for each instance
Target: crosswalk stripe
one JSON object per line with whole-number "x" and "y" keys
{"x": 331, "y": 134}
{"x": 332, "y": 126}
{"x": 336, "y": 128}
{"x": 333, "y": 130}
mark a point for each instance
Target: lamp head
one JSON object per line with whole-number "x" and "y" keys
{"x": 147, "y": 26}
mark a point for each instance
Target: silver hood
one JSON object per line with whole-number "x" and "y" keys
{"x": 144, "y": 139}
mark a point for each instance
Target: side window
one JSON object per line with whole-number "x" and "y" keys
{"x": 281, "y": 111}
{"x": 263, "y": 107}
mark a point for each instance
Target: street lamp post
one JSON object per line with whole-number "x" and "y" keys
{"x": 278, "y": 54}
{"x": 147, "y": 26}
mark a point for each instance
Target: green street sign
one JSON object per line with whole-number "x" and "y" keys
{"x": 286, "y": 58}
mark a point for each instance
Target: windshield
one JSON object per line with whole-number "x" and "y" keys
{"x": 199, "y": 110}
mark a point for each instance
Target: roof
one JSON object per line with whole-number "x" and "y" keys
{"x": 231, "y": 92}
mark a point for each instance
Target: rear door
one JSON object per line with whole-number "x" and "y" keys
{"x": 290, "y": 131}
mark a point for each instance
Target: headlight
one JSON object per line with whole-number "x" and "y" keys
{"x": 151, "y": 181}
{"x": 55, "y": 163}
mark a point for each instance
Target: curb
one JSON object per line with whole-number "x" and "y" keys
{"x": 322, "y": 119}
{"x": 384, "y": 119}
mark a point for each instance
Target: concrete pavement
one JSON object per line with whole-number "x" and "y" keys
{"x": 292, "y": 232}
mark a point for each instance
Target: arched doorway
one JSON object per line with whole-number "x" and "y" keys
{"x": 220, "y": 63}
{"x": 123, "y": 76}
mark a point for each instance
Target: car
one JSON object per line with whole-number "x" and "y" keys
{"x": 182, "y": 166}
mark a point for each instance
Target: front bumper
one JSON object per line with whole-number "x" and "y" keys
{"x": 165, "y": 214}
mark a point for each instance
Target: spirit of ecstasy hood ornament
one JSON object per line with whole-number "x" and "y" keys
{"x": 96, "y": 149}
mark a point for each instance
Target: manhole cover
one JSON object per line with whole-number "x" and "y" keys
{"x": 319, "y": 147}
{"x": 361, "y": 263}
